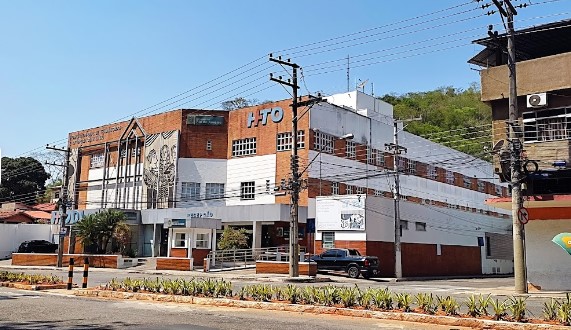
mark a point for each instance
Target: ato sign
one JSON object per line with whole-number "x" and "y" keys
{"x": 276, "y": 115}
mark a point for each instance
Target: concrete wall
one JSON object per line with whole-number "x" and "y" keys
{"x": 12, "y": 235}
{"x": 202, "y": 171}
{"x": 544, "y": 74}
{"x": 254, "y": 168}
{"x": 548, "y": 265}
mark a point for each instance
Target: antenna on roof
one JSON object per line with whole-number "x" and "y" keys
{"x": 362, "y": 84}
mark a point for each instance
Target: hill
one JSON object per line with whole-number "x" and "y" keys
{"x": 450, "y": 116}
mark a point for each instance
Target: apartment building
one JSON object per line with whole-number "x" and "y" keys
{"x": 543, "y": 56}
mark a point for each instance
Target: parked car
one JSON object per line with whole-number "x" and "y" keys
{"x": 347, "y": 260}
{"x": 37, "y": 246}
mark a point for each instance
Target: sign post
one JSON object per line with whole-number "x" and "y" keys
{"x": 523, "y": 215}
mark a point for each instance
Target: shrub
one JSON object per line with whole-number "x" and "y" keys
{"x": 483, "y": 303}
{"x": 403, "y": 301}
{"x": 473, "y": 308}
{"x": 517, "y": 306}
{"x": 383, "y": 299}
{"x": 499, "y": 309}
{"x": 550, "y": 309}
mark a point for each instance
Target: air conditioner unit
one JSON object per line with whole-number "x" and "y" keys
{"x": 537, "y": 100}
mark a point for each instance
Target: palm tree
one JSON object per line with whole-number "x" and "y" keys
{"x": 98, "y": 229}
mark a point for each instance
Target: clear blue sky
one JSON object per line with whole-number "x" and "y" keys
{"x": 70, "y": 65}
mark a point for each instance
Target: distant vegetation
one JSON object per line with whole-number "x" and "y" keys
{"x": 450, "y": 116}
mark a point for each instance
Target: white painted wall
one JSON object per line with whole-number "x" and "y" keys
{"x": 363, "y": 104}
{"x": 12, "y": 235}
{"x": 201, "y": 170}
{"x": 496, "y": 266}
{"x": 547, "y": 264}
{"x": 253, "y": 168}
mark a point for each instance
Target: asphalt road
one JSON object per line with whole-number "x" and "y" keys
{"x": 40, "y": 310}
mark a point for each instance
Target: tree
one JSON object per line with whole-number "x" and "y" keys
{"x": 233, "y": 239}
{"x": 451, "y": 116}
{"x": 22, "y": 179}
{"x": 96, "y": 230}
{"x": 238, "y": 103}
{"x": 50, "y": 188}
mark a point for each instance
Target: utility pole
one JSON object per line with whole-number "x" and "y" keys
{"x": 507, "y": 10}
{"x": 396, "y": 150}
{"x": 295, "y": 185}
{"x": 62, "y": 203}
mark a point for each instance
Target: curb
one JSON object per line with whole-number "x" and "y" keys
{"x": 33, "y": 287}
{"x": 395, "y": 316}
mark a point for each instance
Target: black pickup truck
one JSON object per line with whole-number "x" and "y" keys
{"x": 347, "y": 260}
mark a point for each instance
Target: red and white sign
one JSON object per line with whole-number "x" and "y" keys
{"x": 523, "y": 215}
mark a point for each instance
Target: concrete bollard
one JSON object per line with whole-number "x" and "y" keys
{"x": 85, "y": 272}
{"x": 70, "y": 274}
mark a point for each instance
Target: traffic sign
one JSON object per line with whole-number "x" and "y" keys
{"x": 523, "y": 215}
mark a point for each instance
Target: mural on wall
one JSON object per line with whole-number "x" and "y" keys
{"x": 72, "y": 174}
{"x": 159, "y": 169}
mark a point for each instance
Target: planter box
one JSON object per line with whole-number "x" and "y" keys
{"x": 174, "y": 263}
{"x": 50, "y": 259}
{"x": 282, "y": 267}
{"x": 33, "y": 287}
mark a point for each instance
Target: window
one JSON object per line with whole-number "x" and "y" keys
{"x": 335, "y": 188}
{"x": 324, "y": 142}
{"x": 431, "y": 171}
{"x": 202, "y": 241}
{"x": 481, "y": 186}
{"x": 96, "y": 160}
{"x": 498, "y": 190}
{"x": 401, "y": 163}
{"x": 359, "y": 190}
{"x": 449, "y": 177}
{"x": 328, "y": 240}
{"x": 284, "y": 141}
{"x": 134, "y": 152}
{"x": 404, "y": 225}
{"x": 349, "y": 189}
{"x": 380, "y": 158}
{"x": 208, "y": 144}
{"x": 244, "y": 147}
{"x": 411, "y": 166}
{"x": 351, "y": 149}
{"x": 467, "y": 183}
{"x": 190, "y": 191}
{"x": 547, "y": 125}
{"x": 420, "y": 226}
{"x": 179, "y": 240}
{"x": 378, "y": 192}
{"x": 247, "y": 190}
{"x": 371, "y": 155}
{"x": 214, "y": 190}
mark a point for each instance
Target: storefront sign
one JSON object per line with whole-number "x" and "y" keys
{"x": 276, "y": 115}
{"x": 92, "y": 135}
{"x": 341, "y": 213}
{"x": 205, "y": 214}
{"x": 204, "y": 120}
{"x": 177, "y": 223}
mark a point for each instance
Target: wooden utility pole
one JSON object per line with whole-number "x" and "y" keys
{"x": 507, "y": 10}
{"x": 295, "y": 183}
{"x": 62, "y": 204}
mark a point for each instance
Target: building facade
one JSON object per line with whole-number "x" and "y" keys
{"x": 544, "y": 110}
{"x": 235, "y": 166}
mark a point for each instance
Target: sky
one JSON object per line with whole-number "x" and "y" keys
{"x": 71, "y": 65}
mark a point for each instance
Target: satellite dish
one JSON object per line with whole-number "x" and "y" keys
{"x": 498, "y": 145}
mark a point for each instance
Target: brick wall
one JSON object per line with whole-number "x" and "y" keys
{"x": 179, "y": 252}
{"x": 174, "y": 263}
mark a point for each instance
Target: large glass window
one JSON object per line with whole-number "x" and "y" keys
{"x": 431, "y": 171}
{"x": 449, "y": 177}
{"x": 380, "y": 158}
{"x": 247, "y": 190}
{"x": 190, "y": 191}
{"x": 351, "y": 149}
{"x": 214, "y": 190}
{"x": 180, "y": 240}
{"x": 371, "y": 155}
{"x": 547, "y": 125}
{"x": 324, "y": 142}
{"x": 96, "y": 160}
{"x": 335, "y": 188}
{"x": 244, "y": 147}
{"x": 328, "y": 240}
{"x": 284, "y": 141}
{"x": 202, "y": 241}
